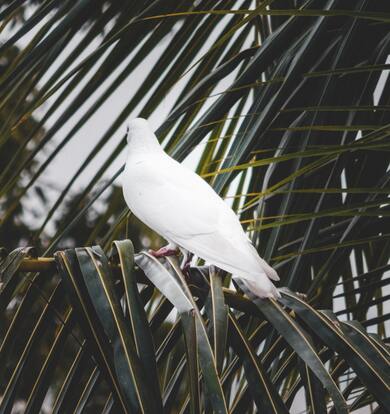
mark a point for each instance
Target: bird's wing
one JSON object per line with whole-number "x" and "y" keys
{"x": 171, "y": 199}
{"x": 182, "y": 207}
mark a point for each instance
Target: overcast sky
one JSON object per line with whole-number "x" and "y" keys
{"x": 73, "y": 154}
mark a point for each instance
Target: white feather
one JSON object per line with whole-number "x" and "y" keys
{"x": 184, "y": 209}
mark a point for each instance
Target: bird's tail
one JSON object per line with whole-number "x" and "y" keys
{"x": 262, "y": 286}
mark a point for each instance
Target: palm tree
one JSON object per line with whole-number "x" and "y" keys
{"x": 284, "y": 106}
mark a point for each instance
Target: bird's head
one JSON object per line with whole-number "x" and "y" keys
{"x": 140, "y": 136}
{"x": 136, "y": 128}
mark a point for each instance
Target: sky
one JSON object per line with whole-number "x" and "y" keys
{"x": 74, "y": 153}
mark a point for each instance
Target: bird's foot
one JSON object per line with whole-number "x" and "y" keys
{"x": 186, "y": 271}
{"x": 186, "y": 266}
{"x": 302, "y": 296}
{"x": 164, "y": 252}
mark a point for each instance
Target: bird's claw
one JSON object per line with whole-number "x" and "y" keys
{"x": 164, "y": 252}
{"x": 186, "y": 266}
{"x": 302, "y": 296}
{"x": 186, "y": 271}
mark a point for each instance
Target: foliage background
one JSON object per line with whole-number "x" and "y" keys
{"x": 282, "y": 105}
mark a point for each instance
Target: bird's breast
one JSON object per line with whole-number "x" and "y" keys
{"x": 138, "y": 183}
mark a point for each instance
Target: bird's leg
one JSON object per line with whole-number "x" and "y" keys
{"x": 187, "y": 257}
{"x": 168, "y": 250}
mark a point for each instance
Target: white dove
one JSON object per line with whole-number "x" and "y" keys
{"x": 184, "y": 209}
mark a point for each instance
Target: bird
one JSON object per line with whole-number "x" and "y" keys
{"x": 186, "y": 211}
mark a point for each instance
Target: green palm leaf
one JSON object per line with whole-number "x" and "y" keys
{"x": 283, "y": 107}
